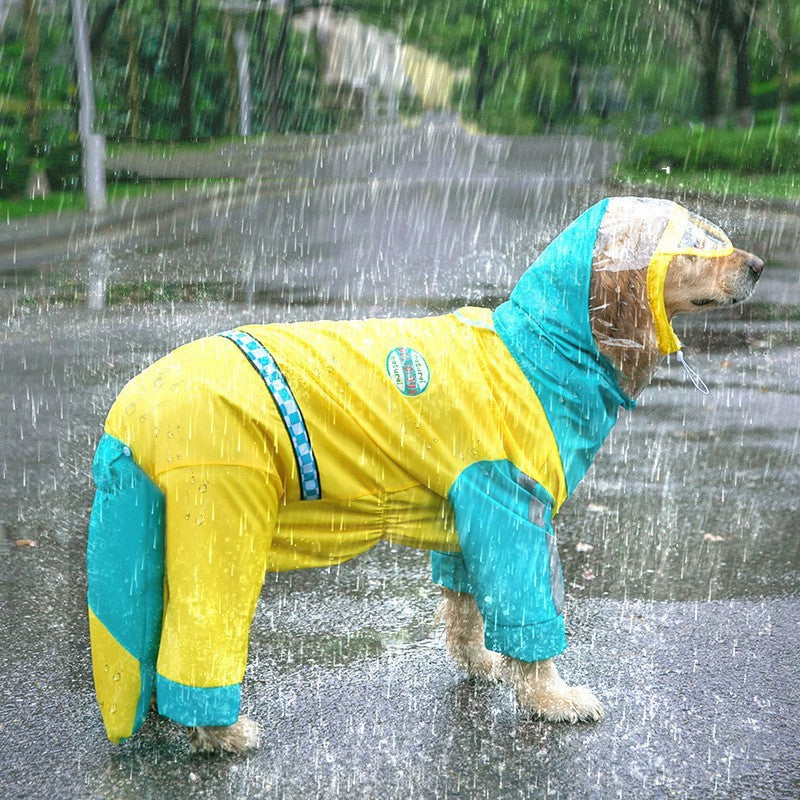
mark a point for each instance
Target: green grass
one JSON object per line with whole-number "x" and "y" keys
{"x": 505, "y": 122}
{"x": 751, "y": 151}
{"x": 171, "y": 148}
{"x": 57, "y": 201}
{"x": 778, "y": 186}
{"x": 160, "y": 147}
{"x": 76, "y": 200}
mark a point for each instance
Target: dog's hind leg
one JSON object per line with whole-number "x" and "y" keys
{"x": 219, "y": 525}
{"x": 464, "y": 633}
{"x": 240, "y": 737}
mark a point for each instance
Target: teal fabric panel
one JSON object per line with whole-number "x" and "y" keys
{"x": 550, "y": 639}
{"x": 125, "y": 558}
{"x": 450, "y": 571}
{"x": 545, "y": 326}
{"x": 503, "y": 521}
{"x": 192, "y": 705}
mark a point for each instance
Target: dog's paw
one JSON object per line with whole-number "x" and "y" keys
{"x": 561, "y": 704}
{"x": 240, "y": 737}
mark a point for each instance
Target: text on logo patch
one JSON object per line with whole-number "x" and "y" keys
{"x": 408, "y": 370}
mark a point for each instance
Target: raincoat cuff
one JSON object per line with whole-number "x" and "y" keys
{"x": 536, "y": 642}
{"x": 450, "y": 571}
{"x": 194, "y": 705}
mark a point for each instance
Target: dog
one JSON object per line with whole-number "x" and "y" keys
{"x": 277, "y": 447}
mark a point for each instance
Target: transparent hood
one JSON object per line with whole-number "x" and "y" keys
{"x": 638, "y": 237}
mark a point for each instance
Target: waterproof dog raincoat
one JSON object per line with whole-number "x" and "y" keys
{"x": 277, "y": 447}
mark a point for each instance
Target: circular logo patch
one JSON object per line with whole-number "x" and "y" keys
{"x": 408, "y": 370}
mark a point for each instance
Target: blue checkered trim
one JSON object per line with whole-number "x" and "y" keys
{"x": 262, "y": 360}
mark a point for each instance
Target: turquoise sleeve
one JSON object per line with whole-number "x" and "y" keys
{"x": 508, "y": 560}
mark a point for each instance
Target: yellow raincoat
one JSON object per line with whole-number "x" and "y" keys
{"x": 278, "y": 447}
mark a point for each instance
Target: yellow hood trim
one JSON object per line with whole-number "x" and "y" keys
{"x": 668, "y": 247}
{"x": 668, "y": 342}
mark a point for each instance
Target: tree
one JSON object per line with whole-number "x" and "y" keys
{"x": 737, "y": 16}
{"x": 37, "y": 181}
{"x": 232, "y": 114}
{"x": 488, "y": 65}
{"x": 705, "y": 18}
{"x": 779, "y": 22}
{"x": 528, "y": 47}
{"x": 187, "y": 22}
{"x": 710, "y": 19}
{"x": 581, "y": 35}
{"x": 101, "y": 23}
{"x": 276, "y": 77}
{"x": 187, "y": 13}
{"x": 132, "y": 79}
{"x": 492, "y": 33}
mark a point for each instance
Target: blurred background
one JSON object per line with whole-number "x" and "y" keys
{"x": 705, "y": 92}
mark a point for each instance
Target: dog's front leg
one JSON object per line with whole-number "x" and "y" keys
{"x": 541, "y": 690}
{"x": 464, "y": 632}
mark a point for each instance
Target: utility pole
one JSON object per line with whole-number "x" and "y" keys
{"x": 93, "y": 145}
{"x": 238, "y": 11}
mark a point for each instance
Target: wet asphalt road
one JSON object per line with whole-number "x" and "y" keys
{"x": 683, "y": 616}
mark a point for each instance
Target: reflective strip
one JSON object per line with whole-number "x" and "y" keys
{"x": 556, "y": 575}
{"x": 537, "y": 514}
{"x": 537, "y": 510}
{"x": 270, "y": 372}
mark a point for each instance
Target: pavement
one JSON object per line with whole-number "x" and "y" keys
{"x": 679, "y": 548}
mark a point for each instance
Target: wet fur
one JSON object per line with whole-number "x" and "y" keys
{"x": 240, "y": 737}
{"x": 619, "y": 313}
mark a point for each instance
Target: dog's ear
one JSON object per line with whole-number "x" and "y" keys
{"x": 623, "y": 248}
{"x": 618, "y": 304}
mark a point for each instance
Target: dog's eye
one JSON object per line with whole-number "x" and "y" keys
{"x": 703, "y": 302}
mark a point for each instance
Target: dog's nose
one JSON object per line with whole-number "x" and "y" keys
{"x": 755, "y": 265}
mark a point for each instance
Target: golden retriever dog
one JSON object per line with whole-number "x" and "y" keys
{"x": 279, "y": 447}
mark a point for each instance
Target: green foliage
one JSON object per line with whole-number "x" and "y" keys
{"x": 57, "y": 90}
{"x": 160, "y": 72}
{"x": 61, "y": 161}
{"x": 156, "y": 25}
{"x": 13, "y": 168}
{"x": 767, "y": 94}
{"x": 507, "y": 122}
{"x": 769, "y": 117}
{"x": 546, "y": 88}
{"x": 300, "y": 88}
{"x": 63, "y": 164}
{"x": 747, "y": 152}
{"x": 669, "y": 90}
{"x": 521, "y": 55}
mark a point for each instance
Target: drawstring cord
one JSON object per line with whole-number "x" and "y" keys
{"x": 698, "y": 382}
